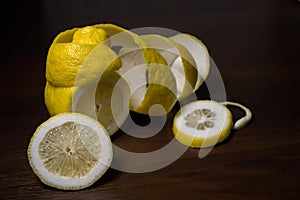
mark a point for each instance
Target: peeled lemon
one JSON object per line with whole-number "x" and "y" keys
{"x": 206, "y": 123}
{"x": 70, "y": 151}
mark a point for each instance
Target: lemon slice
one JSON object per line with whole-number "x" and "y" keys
{"x": 150, "y": 80}
{"x": 199, "y": 52}
{"x": 70, "y": 151}
{"x": 67, "y": 64}
{"x": 206, "y": 123}
{"x": 179, "y": 59}
{"x": 107, "y": 101}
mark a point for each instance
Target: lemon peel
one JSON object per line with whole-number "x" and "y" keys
{"x": 89, "y": 35}
{"x": 199, "y": 52}
{"x": 157, "y": 85}
{"x": 179, "y": 59}
{"x": 70, "y": 151}
{"x": 66, "y": 61}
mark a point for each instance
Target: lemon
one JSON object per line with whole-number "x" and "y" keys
{"x": 70, "y": 151}
{"x": 206, "y": 123}
{"x": 150, "y": 79}
{"x": 179, "y": 59}
{"x": 78, "y": 60}
{"x": 108, "y": 101}
{"x": 67, "y": 62}
{"x": 199, "y": 52}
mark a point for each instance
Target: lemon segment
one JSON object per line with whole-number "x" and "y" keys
{"x": 150, "y": 80}
{"x": 70, "y": 151}
{"x": 179, "y": 59}
{"x": 202, "y": 124}
{"x": 199, "y": 52}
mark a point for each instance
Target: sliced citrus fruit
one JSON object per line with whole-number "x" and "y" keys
{"x": 179, "y": 59}
{"x": 199, "y": 52}
{"x": 67, "y": 61}
{"x": 206, "y": 123}
{"x": 70, "y": 151}
{"x": 150, "y": 79}
{"x": 108, "y": 101}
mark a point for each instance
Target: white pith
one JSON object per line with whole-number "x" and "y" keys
{"x": 134, "y": 71}
{"x": 199, "y": 53}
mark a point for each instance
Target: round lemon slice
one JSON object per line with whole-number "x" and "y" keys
{"x": 107, "y": 101}
{"x": 150, "y": 79}
{"x": 70, "y": 151}
{"x": 179, "y": 59}
{"x": 199, "y": 52}
{"x": 206, "y": 123}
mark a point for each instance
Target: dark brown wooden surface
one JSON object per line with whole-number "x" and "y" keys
{"x": 256, "y": 47}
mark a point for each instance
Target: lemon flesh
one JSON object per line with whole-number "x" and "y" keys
{"x": 179, "y": 59}
{"x": 202, "y": 124}
{"x": 150, "y": 80}
{"x": 199, "y": 52}
{"x": 70, "y": 151}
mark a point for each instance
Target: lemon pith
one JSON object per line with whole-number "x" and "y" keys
{"x": 199, "y": 52}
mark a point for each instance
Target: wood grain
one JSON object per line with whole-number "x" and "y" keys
{"x": 255, "y": 45}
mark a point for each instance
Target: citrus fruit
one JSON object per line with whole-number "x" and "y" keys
{"x": 179, "y": 59}
{"x": 78, "y": 62}
{"x": 67, "y": 64}
{"x": 199, "y": 52}
{"x": 70, "y": 151}
{"x": 206, "y": 123}
{"x": 108, "y": 101}
{"x": 150, "y": 79}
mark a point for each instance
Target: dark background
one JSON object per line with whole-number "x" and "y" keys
{"x": 255, "y": 45}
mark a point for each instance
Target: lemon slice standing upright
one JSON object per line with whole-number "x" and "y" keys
{"x": 70, "y": 151}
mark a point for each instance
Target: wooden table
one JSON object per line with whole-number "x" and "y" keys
{"x": 255, "y": 45}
